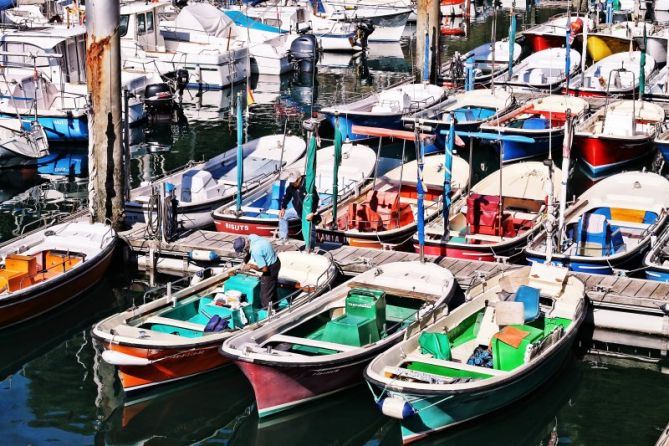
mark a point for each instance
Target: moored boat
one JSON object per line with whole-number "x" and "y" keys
{"x": 259, "y": 212}
{"x": 323, "y": 346}
{"x": 614, "y": 38}
{"x": 385, "y": 214}
{"x": 206, "y": 186}
{"x": 616, "y": 75}
{"x": 177, "y": 336}
{"x": 541, "y": 119}
{"x": 656, "y": 261}
{"x": 610, "y": 227}
{"x": 489, "y": 223}
{"x": 512, "y": 334}
{"x": 453, "y": 72}
{"x": 542, "y": 71}
{"x": 662, "y": 144}
{"x": 470, "y": 109}
{"x": 384, "y": 109}
{"x": 50, "y": 267}
{"x": 551, "y": 34}
{"x": 618, "y": 133}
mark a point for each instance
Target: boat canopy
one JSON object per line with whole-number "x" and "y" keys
{"x": 205, "y": 18}
{"x": 245, "y": 21}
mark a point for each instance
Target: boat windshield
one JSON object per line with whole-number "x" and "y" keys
{"x": 123, "y": 25}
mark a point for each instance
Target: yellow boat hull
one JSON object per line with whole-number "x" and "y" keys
{"x": 600, "y": 47}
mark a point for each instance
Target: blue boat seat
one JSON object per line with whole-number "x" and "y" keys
{"x": 529, "y": 296}
{"x": 596, "y": 237}
{"x": 278, "y": 191}
{"x": 535, "y": 124}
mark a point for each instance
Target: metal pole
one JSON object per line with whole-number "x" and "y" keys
{"x": 126, "y": 143}
{"x": 103, "y": 76}
{"x": 427, "y": 24}
{"x": 492, "y": 49}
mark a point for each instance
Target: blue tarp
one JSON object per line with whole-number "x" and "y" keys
{"x": 245, "y": 21}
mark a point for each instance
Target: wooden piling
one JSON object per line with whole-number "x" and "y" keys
{"x": 103, "y": 76}
{"x": 427, "y": 22}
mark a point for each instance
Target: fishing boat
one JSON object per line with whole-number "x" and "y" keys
{"x": 551, "y": 33}
{"x": 609, "y": 138}
{"x": 259, "y": 210}
{"x": 201, "y": 188}
{"x": 514, "y": 331}
{"x": 470, "y": 109}
{"x": 384, "y": 109}
{"x": 387, "y": 22}
{"x": 50, "y": 267}
{"x": 542, "y": 120}
{"x": 386, "y": 213}
{"x": 453, "y": 71}
{"x": 323, "y": 346}
{"x": 453, "y": 8}
{"x": 610, "y": 227}
{"x": 19, "y": 147}
{"x": 541, "y": 71}
{"x": 616, "y": 75}
{"x": 656, "y": 261}
{"x": 497, "y": 218}
{"x": 177, "y": 335}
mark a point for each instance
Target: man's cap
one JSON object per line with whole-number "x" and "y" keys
{"x": 291, "y": 175}
{"x": 239, "y": 244}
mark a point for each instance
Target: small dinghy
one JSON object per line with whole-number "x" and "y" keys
{"x": 514, "y": 331}
{"x": 177, "y": 336}
{"x": 656, "y": 262}
{"x": 204, "y": 187}
{"x": 322, "y": 347}
{"x": 21, "y": 147}
{"x": 489, "y": 223}
{"x": 611, "y": 137}
{"x": 453, "y": 72}
{"x": 616, "y": 75}
{"x": 385, "y": 214}
{"x": 541, "y": 119}
{"x": 610, "y": 226}
{"x": 542, "y": 71}
{"x": 50, "y": 267}
{"x": 384, "y": 109}
{"x": 260, "y": 209}
{"x": 470, "y": 109}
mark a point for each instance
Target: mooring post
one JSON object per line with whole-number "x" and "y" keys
{"x": 103, "y": 76}
{"x": 427, "y": 25}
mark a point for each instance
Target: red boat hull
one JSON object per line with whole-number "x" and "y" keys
{"x": 180, "y": 363}
{"x": 280, "y": 388}
{"x": 605, "y": 153}
{"x": 444, "y": 250}
{"x": 23, "y": 306}
{"x": 245, "y": 227}
{"x": 539, "y": 42}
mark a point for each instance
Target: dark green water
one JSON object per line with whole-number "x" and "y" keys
{"x": 55, "y": 390}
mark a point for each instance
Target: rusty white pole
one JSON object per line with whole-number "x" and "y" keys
{"x": 428, "y": 16}
{"x": 103, "y": 75}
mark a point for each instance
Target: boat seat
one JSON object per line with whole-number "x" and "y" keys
{"x": 510, "y": 346}
{"x": 453, "y": 365}
{"x": 309, "y": 343}
{"x": 509, "y": 313}
{"x": 547, "y": 278}
{"x": 158, "y": 320}
{"x": 529, "y": 296}
{"x": 487, "y": 328}
{"x": 535, "y": 124}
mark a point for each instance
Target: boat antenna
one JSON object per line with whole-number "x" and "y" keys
{"x": 566, "y": 154}
{"x": 493, "y": 39}
{"x": 550, "y": 212}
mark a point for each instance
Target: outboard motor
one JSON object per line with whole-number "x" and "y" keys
{"x": 365, "y": 28}
{"x": 304, "y": 52}
{"x": 159, "y": 101}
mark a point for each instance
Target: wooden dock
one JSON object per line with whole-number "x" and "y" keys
{"x": 602, "y": 290}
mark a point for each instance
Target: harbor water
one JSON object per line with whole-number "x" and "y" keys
{"x": 54, "y": 388}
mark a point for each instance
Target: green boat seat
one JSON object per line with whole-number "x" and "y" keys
{"x": 529, "y": 296}
{"x": 435, "y": 344}
{"x": 508, "y": 352}
{"x": 246, "y": 284}
{"x": 367, "y": 303}
{"x": 351, "y": 330}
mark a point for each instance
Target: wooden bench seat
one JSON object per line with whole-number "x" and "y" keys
{"x": 174, "y": 323}
{"x": 309, "y": 343}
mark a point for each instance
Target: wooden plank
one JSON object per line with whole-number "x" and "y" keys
{"x": 395, "y": 291}
{"x": 661, "y": 292}
{"x": 619, "y": 285}
{"x": 632, "y": 288}
{"x": 647, "y": 289}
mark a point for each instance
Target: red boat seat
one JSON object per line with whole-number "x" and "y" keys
{"x": 379, "y": 211}
{"x": 483, "y": 216}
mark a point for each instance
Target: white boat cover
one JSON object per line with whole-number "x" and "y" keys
{"x": 205, "y": 18}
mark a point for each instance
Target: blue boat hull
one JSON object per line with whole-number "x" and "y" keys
{"x": 605, "y": 267}
{"x": 347, "y": 121}
{"x": 657, "y": 275}
{"x": 664, "y": 150}
{"x": 58, "y": 129}
{"x": 516, "y": 151}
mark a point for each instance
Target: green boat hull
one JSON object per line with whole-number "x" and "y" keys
{"x": 438, "y": 411}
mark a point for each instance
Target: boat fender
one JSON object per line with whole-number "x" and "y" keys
{"x": 117, "y": 358}
{"x": 203, "y": 255}
{"x": 396, "y": 408}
